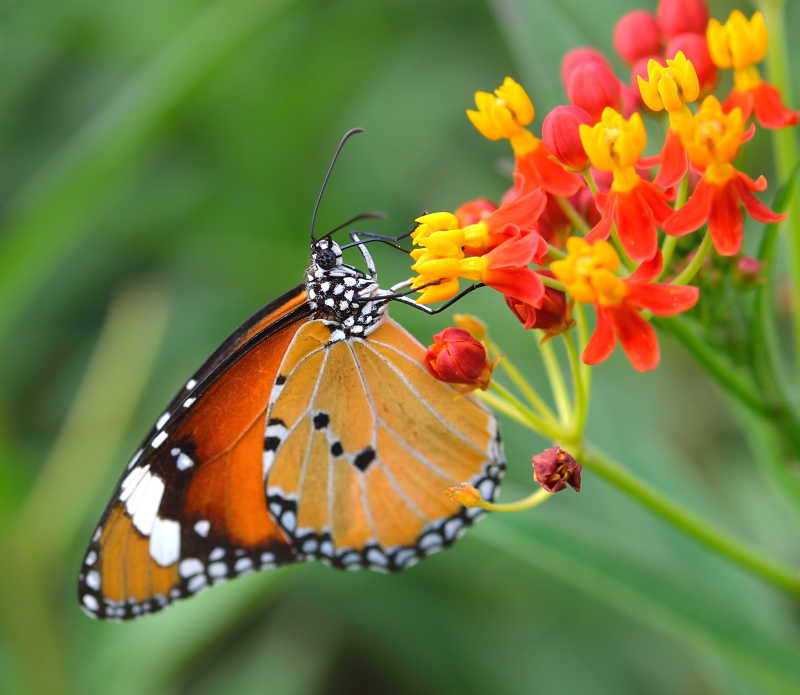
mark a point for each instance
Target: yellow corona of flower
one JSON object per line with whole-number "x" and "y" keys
{"x": 669, "y": 87}
{"x": 503, "y": 114}
{"x": 588, "y": 273}
{"x": 615, "y": 144}
{"x": 712, "y": 138}
{"x": 738, "y": 43}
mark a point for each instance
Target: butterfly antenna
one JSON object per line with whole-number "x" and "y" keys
{"x": 344, "y": 139}
{"x": 374, "y": 215}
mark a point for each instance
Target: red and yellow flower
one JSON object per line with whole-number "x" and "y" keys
{"x": 634, "y": 204}
{"x": 712, "y": 139}
{"x": 741, "y": 44}
{"x": 505, "y": 114}
{"x": 589, "y": 275}
{"x": 495, "y": 251}
{"x": 669, "y": 89}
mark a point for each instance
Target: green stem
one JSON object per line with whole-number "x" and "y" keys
{"x": 556, "y": 377}
{"x": 572, "y": 214}
{"x": 696, "y": 263}
{"x": 784, "y": 143}
{"x": 528, "y": 502}
{"x": 583, "y": 341}
{"x": 668, "y": 247}
{"x": 729, "y": 547}
{"x": 525, "y": 415}
{"x": 522, "y": 384}
{"x": 552, "y": 282}
{"x": 581, "y": 403}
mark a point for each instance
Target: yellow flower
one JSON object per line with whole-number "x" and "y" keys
{"x": 614, "y": 142}
{"x": 738, "y": 43}
{"x": 588, "y": 272}
{"x": 712, "y": 138}
{"x": 503, "y": 114}
{"x": 669, "y": 87}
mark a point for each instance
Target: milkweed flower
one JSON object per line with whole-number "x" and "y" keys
{"x": 669, "y": 88}
{"x": 552, "y": 314}
{"x": 741, "y": 44}
{"x": 593, "y": 86}
{"x": 561, "y": 137}
{"x": 634, "y": 204}
{"x": 712, "y": 139}
{"x": 555, "y": 468}
{"x": 505, "y": 114}
{"x": 695, "y": 48}
{"x": 589, "y": 275}
{"x": 682, "y": 17}
{"x": 457, "y": 358}
{"x": 636, "y": 35}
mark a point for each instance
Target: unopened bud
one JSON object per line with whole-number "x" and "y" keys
{"x": 555, "y": 468}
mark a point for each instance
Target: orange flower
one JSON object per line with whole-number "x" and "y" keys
{"x": 634, "y": 204}
{"x": 712, "y": 139}
{"x": 457, "y": 358}
{"x": 741, "y": 44}
{"x": 589, "y": 274}
{"x": 505, "y": 114}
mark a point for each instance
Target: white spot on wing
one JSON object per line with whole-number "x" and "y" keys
{"x": 147, "y": 506}
{"x": 189, "y": 402}
{"x": 158, "y": 440}
{"x": 93, "y": 580}
{"x": 190, "y": 384}
{"x": 165, "y": 541}
{"x": 217, "y": 570}
{"x": 162, "y": 421}
{"x": 131, "y": 481}
{"x": 202, "y": 527}
{"x": 216, "y": 554}
{"x": 189, "y": 567}
{"x": 91, "y": 558}
{"x": 184, "y": 462}
{"x": 243, "y": 564}
{"x": 90, "y": 602}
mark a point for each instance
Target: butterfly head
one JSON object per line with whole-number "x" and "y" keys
{"x": 326, "y": 254}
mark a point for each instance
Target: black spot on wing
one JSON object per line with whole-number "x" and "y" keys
{"x": 337, "y": 449}
{"x": 364, "y": 458}
{"x": 321, "y": 421}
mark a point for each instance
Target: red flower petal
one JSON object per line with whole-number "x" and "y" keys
{"x": 693, "y": 213}
{"x": 637, "y": 337}
{"x": 647, "y": 271}
{"x": 522, "y": 211}
{"x": 603, "y": 340}
{"x": 725, "y": 219}
{"x": 539, "y": 170}
{"x": 520, "y": 283}
{"x": 742, "y": 99}
{"x": 755, "y": 208}
{"x": 518, "y": 250}
{"x": 635, "y": 225}
{"x": 663, "y": 300}
{"x": 770, "y": 111}
{"x": 656, "y": 200}
{"x": 674, "y": 163}
{"x": 601, "y": 230}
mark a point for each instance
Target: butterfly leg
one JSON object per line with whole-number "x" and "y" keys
{"x": 402, "y": 297}
{"x": 367, "y": 255}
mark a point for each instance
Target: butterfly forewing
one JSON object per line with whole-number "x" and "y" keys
{"x": 190, "y": 508}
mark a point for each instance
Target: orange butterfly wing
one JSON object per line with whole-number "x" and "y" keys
{"x": 190, "y": 509}
{"x": 362, "y": 443}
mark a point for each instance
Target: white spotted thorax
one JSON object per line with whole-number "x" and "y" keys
{"x": 340, "y": 294}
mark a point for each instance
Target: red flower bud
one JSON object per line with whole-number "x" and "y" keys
{"x": 695, "y": 48}
{"x": 636, "y": 35}
{"x": 579, "y": 56}
{"x": 748, "y": 271}
{"x": 457, "y": 358}
{"x": 682, "y": 17}
{"x": 554, "y": 469}
{"x": 593, "y": 86}
{"x": 474, "y": 211}
{"x": 553, "y": 313}
{"x": 560, "y": 135}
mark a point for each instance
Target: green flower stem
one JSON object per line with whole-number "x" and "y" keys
{"x": 555, "y": 252}
{"x": 556, "y": 377}
{"x": 696, "y": 263}
{"x": 573, "y": 215}
{"x": 583, "y": 341}
{"x": 522, "y": 384}
{"x": 729, "y": 547}
{"x": 784, "y": 143}
{"x": 668, "y": 247}
{"x": 509, "y": 404}
{"x": 724, "y": 373}
{"x": 528, "y": 502}
{"x": 552, "y": 282}
{"x": 580, "y": 400}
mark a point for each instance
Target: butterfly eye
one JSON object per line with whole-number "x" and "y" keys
{"x": 326, "y": 259}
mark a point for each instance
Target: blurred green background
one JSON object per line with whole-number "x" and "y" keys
{"x": 159, "y": 166}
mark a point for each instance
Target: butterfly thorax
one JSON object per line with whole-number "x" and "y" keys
{"x": 341, "y": 295}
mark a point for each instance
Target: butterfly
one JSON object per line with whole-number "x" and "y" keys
{"x": 313, "y": 432}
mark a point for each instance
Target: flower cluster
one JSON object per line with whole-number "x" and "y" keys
{"x": 589, "y": 218}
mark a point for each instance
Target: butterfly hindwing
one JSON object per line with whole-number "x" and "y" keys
{"x": 190, "y": 508}
{"x": 362, "y": 443}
